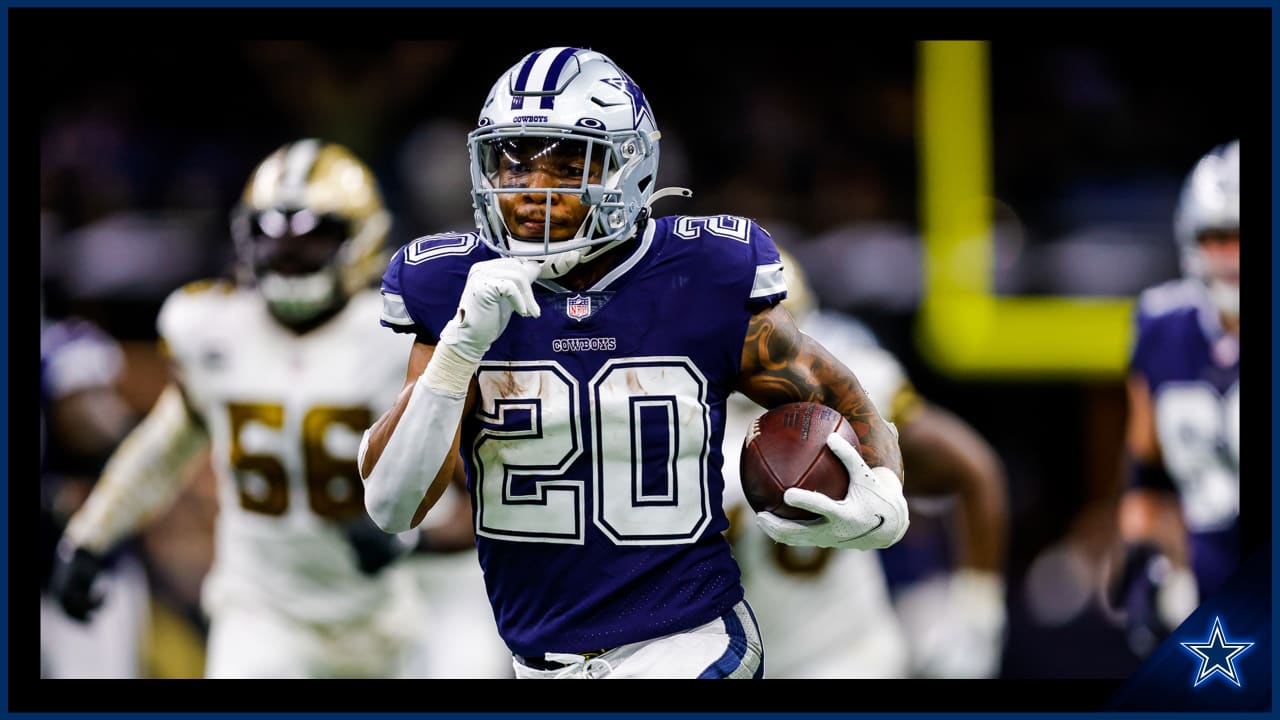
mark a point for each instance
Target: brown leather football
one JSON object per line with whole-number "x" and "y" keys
{"x": 787, "y": 447}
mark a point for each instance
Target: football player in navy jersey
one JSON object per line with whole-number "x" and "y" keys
{"x": 576, "y": 354}
{"x": 1179, "y": 517}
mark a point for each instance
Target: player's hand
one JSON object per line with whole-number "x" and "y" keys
{"x": 872, "y": 515}
{"x": 967, "y": 639}
{"x": 374, "y": 548}
{"x": 494, "y": 289}
{"x": 74, "y": 572}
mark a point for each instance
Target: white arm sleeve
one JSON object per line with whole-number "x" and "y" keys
{"x": 142, "y": 478}
{"x": 418, "y": 446}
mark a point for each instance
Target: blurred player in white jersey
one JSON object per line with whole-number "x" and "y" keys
{"x": 829, "y": 614}
{"x": 277, "y": 375}
{"x": 1179, "y": 517}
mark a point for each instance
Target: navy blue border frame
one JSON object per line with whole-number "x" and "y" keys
{"x": 24, "y": 691}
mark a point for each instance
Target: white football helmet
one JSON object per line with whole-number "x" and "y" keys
{"x": 309, "y": 229}
{"x": 567, "y": 98}
{"x": 1210, "y": 201}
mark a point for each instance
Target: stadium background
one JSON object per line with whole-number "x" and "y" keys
{"x": 144, "y": 145}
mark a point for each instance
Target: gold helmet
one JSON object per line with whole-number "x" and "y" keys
{"x": 800, "y": 300}
{"x": 310, "y": 228}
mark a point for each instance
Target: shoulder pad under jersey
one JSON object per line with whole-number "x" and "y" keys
{"x": 189, "y": 310}
{"x": 731, "y": 248}
{"x": 424, "y": 280}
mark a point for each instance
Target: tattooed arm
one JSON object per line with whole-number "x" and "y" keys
{"x": 780, "y": 364}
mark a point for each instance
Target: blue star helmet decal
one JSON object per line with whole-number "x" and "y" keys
{"x": 639, "y": 106}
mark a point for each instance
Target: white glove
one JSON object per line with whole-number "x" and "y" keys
{"x": 494, "y": 288}
{"x": 962, "y": 634}
{"x": 872, "y": 515}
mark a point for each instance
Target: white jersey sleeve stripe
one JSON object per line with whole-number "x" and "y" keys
{"x": 394, "y": 311}
{"x": 769, "y": 281}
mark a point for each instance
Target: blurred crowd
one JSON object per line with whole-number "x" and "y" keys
{"x": 141, "y": 160}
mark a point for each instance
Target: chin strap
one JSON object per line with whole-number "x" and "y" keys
{"x": 646, "y": 212}
{"x": 560, "y": 263}
{"x": 667, "y": 192}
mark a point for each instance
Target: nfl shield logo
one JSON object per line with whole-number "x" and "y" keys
{"x": 579, "y": 307}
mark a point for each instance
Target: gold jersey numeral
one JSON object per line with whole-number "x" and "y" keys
{"x": 334, "y": 489}
{"x": 333, "y": 483}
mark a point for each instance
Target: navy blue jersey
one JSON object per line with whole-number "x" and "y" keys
{"x": 1193, "y": 370}
{"x": 593, "y": 456}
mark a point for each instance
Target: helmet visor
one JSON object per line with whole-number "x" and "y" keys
{"x": 541, "y": 162}
{"x": 294, "y": 242}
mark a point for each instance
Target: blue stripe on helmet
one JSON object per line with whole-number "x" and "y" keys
{"x": 522, "y": 79}
{"x": 553, "y": 77}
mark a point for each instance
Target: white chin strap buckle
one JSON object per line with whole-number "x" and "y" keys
{"x": 559, "y": 264}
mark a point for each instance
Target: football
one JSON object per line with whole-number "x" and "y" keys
{"x": 787, "y": 447}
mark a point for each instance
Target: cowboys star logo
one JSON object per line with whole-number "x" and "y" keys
{"x": 639, "y": 106}
{"x": 1217, "y": 656}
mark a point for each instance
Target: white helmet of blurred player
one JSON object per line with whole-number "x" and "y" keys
{"x": 310, "y": 229}
{"x": 1209, "y": 211}
{"x": 567, "y": 100}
